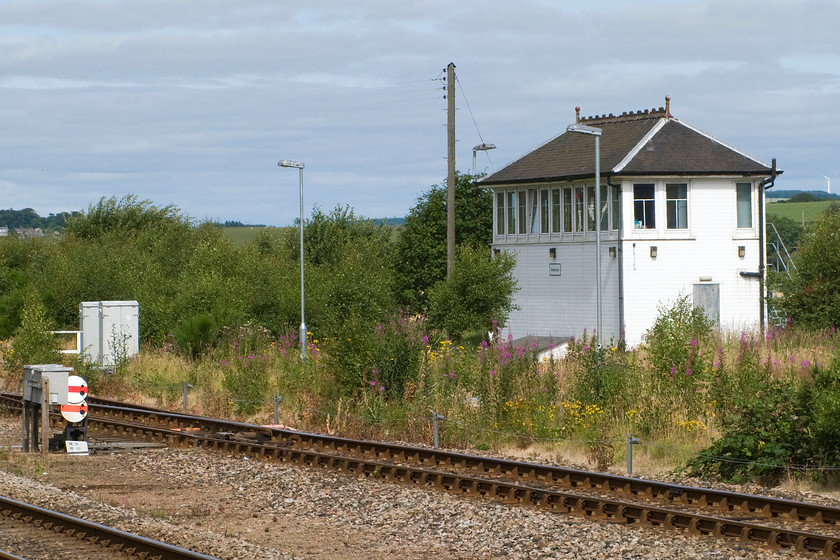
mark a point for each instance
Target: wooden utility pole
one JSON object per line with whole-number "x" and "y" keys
{"x": 450, "y": 178}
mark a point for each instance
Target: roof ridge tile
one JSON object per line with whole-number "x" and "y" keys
{"x": 627, "y": 116}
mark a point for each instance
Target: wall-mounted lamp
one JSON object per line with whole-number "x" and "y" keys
{"x": 742, "y": 251}
{"x": 552, "y": 252}
{"x": 705, "y": 278}
{"x": 496, "y": 251}
{"x": 612, "y": 252}
{"x": 653, "y": 251}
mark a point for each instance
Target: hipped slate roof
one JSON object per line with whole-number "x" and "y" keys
{"x": 641, "y": 143}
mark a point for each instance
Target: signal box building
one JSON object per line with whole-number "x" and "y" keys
{"x": 682, "y": 214}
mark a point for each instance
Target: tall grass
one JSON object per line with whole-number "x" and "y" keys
{"x": 495, "y": 395}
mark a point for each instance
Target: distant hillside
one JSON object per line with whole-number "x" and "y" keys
{"x": 789, "y": 193}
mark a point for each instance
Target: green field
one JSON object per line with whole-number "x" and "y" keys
{"x": 801, "y": 212}
{"x": 241, "y": 236}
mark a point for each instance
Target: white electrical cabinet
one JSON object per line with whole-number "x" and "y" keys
{"x": 110, "y": 330}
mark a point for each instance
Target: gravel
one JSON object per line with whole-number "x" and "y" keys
{"x": 232, "y": 507}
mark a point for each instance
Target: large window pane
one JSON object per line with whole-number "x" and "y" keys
{"x": 568, "y": 209}
{"x": 590, "y": 208}
{"x": 744, "y": 196}
{"x": 500, "y": 213}
{"x": 511, "y": 210}
{"x": 676, "y": 205}
{"x": 544, "y": 206}
{"x": 644, "y": 208}
{"x": 533, "y": 216}
{"x": 556, "y": 211}
{"x": 578, "y": 208}
{"x": 523, "y": 212}
{"x": 605, "y": 216}
{"x": 616, "y": 207}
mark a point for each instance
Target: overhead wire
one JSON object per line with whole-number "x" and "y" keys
{"x": 472, "y": 116}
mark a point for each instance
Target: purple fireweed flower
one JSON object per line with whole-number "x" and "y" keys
{"x": 688, "y": 371}
{"x": 483, "y": 344}
{"x": 716, "y": 365}
{"x": 792, "y": 360}
{"x": 534, "y": 345}
{"x": 224, "y": 362}
{"x": 519, "y": 351}
{"x": 451, "y": 375}
{"x": 425, "y": 339}
{"x": 492, "y": 373}
{"x": 806, "y": 363}
{"x": 373, "y": 383}
{"x": 250, "y": 357}
{"x": 673, "y": 371}
{"x": 693, "y": 342}
{"x": 381, "y": 388}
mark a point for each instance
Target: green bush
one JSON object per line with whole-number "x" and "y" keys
{"x": 812, "y": 293}
{"x": 33, "y": 343}
{"x": 766, "y": 434}
{"x": 421, "y": 250}
{"x": 478, "y": 292}
{"x": 602, "y": 377}
{"x": 674, "y": 339}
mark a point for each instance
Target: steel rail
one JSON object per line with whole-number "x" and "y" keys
{"x": 723, "y": 500}
{"x": 268, "y": 442}
{"x": 96, "y": 533}
{"x": 508, "y": 492}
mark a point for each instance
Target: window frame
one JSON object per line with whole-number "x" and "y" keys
{"x": 739, "y": 189}
{"x": 676, "y": 207}
{"x": 647, "y": 205}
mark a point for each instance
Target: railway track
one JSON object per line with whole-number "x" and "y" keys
{"x": 30, "y": 532}
{"x": 773, "y": 522}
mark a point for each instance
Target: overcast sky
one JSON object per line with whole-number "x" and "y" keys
{"x": 193, "y": 103}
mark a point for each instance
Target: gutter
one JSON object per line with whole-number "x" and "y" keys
{"x": 620, "y": 257}
{"x": 762, "y": 248}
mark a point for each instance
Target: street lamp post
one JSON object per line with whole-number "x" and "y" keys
{"x": 302, "y": 334}
{"x": 481, "y": 148}
{"x": 596, "y": 132}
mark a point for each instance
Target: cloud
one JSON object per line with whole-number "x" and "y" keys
{"x": 193, "y": 103}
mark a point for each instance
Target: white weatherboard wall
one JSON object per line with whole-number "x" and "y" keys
{"x": 564, "y": 305}
{"x": 705, "y": 254}
{"x": 109, "y": 329}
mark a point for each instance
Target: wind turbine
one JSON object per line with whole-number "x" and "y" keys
{"x": 828, "y": 187}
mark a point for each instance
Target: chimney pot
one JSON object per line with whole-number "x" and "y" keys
{"x": 577, "y": 115}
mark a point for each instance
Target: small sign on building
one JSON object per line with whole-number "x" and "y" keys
{"x": 554, "y": 269}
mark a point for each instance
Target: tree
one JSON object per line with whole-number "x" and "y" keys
{"x": 125, "y": 216}
{"x": 421, "y": 248}
{"x": 812, "y": 293}
{"x": 803, "y": 197}
{"x": 479, "y": 291}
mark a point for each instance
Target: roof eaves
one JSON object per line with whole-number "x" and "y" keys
{"x": 641, "y": 144}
